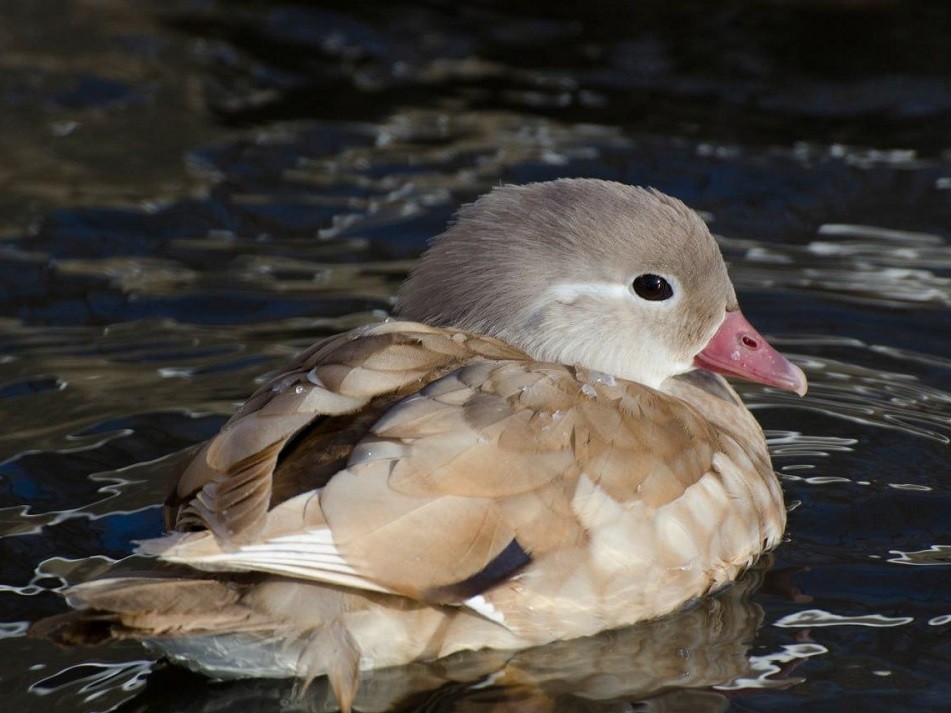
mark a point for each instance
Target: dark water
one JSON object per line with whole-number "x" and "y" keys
{"x": 192, "y": 191}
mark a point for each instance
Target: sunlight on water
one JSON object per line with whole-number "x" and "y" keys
{"x": 934, "y": 555}
{"x": 876, "y": 265}
{"x": 817, "y": 618}
{"x": 865, "y": 395}
{"x": 94, "y": 680}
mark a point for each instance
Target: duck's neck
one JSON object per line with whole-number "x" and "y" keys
{"x": 609, "y": 352}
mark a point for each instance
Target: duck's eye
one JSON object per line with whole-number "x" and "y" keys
{"x": 652, "y": 287}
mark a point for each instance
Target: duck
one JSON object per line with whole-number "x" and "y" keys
{"x": 539, "y": 446}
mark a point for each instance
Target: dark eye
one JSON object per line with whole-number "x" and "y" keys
{"x": 652, "y": 287}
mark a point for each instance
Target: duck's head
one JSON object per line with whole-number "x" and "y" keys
{"x": 616, "y": 278}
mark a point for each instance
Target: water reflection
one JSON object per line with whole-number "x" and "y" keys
{"x": 704, "y": 646}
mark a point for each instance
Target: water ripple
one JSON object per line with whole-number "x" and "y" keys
{"x": 934, "y": 555}
{"x": 875, "y": 397}
{"x": 92, "y": 681}
{"x": 811, "y": 618}
{"x": 874, "y": 265}
{"x": 767, "y": 666}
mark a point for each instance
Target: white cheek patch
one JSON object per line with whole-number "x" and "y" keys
{"x": 613, "y": 333}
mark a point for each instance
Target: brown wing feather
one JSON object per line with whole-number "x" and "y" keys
{"x": 461, "y": 476}
{"x": 297, "y": 430}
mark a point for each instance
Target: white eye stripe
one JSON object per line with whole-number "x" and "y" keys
{"x": 568, "y": 292}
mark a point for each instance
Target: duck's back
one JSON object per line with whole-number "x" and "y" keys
{"x": 452, "y": 469}
{"x": 298, "y": 429}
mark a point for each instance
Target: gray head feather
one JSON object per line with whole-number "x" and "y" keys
{"x": 491, "y": 270}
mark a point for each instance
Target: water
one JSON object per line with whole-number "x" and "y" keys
{"x": 193, "y": 191}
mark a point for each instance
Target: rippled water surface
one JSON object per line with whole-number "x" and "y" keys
{"x": 193, "y": 191}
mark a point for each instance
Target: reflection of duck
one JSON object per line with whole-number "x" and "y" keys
{"x": 532, "y": 460}
{"x": 660, "y": 660}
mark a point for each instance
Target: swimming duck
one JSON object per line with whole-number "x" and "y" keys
{"x": 537, "y": 448}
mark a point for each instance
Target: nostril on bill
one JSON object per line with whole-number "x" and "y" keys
{"x": 749, "y": 342}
